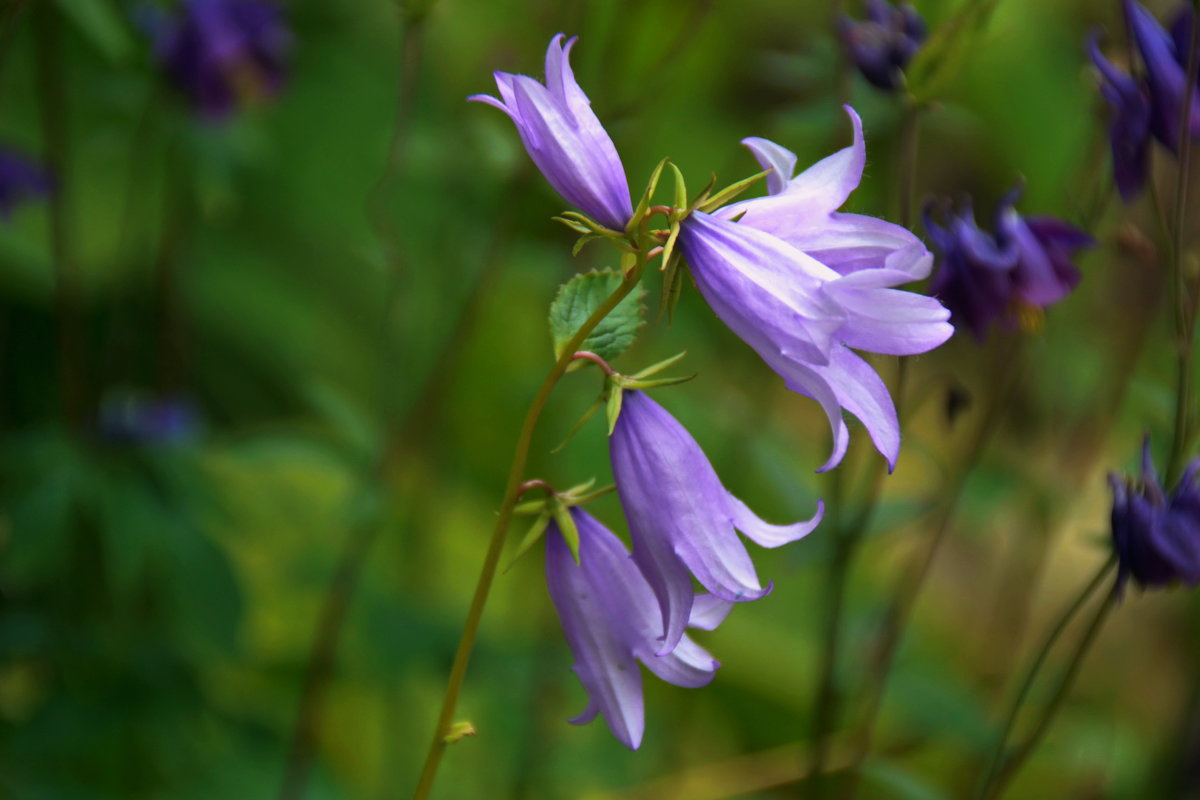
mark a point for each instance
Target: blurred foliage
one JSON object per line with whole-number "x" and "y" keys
{"x": 359, "y": 332}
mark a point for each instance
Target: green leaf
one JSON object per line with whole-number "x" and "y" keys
{"x": 101, "y": 24}
{"x": 942, "y": 56}
{"x": 578, "y": 299}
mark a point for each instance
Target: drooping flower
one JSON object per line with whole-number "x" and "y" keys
{"x": 986, "y": 277}
{"x": 612, "y": 620}
{"x": 222, "y": 53}
{"x": 21, "y": 180}
{"x": 882, "y": 44}
{"x": 803, "y": 284}
{"x": 1129, "y": 129}
{"x": 1156, "y": 537}
{"x": 1149, "y": 103}
{"x": 564, "y": 138}
{"x": 682, "y": 520}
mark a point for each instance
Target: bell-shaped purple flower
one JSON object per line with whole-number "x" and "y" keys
{"x": 682, "y": 520}
{"x": 1129, "y": 129}
{"x": 1156, "y": 537}
{"x": 882, "y": 44}
{"x": 986, "y": 277}
{"x": 612, "y": 620}
{"x": 803, "y": 284}
{"x": 21, "y": 180}
{"x": 1165, "y": 58}
{"x": 564, "y": 138}
{"x": 222, "y": 53}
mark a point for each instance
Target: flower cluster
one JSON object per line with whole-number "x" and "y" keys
{"x": 1150, "y": 104}
{"x": 20, "y": 180}
{"x": 804, "y": 285}
{"x": 222, "y": 53}
{"x": 882, "y": 44}
{"x": 1025, "y": 265}
{"x": 1156, "y": 537}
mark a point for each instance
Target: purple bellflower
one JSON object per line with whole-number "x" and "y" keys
{"x": 803, "y": 284}
{"x": 21, "y": 180}
{"x": 986, "y": 277}
{"x": 564, "y": 138}
{"x": 882, "y": 45}
{"x": 612, "y": 620}
{"x": 1150, "y": 104}
{"x": 221, "y": 53}
{"x": 1156, "y": 537}
{"x": 682, "y": 520}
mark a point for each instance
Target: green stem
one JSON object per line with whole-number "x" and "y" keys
{"x": 1004, "y": 766}
{"x": 997, "y": 762}
{"x": 492, "y": 559}
{"x": 1185, "y": 307}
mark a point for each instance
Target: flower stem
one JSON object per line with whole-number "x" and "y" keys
{"x": 1185, "y": 305}
{"x": 1003, "y": 766}
{"x": 495, "y": 545}
{"x": 47, "y": 34}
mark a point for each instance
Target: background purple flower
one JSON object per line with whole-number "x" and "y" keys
{"x": 564, "y": 137}
{"x": 21, "y": 180}
{"x": 882, "y": 44}
{"x": 682, "y": 519}
{"x": 612, "y": 620}
{"x": 986, "y": 277}
{"x": 222, "y": 53}
{"x": 1156, "y": 537}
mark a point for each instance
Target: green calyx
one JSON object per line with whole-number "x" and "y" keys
{"x": 555, "y": 506}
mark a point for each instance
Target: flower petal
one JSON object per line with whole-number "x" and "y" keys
{"x": 688, "y": 665}
{"x": 766, "y": 534}
{"x": 775, "y": 157}
{"x": 708, "y": 611}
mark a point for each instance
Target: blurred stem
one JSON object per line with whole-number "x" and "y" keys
{"x": 10, "y": 18}
{"x": 1003, "y": 766}
{"x": 48, "y": 54}
{"x": 495, "y": 545}
{"x": 1185, "y": 305}
{"x": 362, "y": 535}
{"x": 908, "y": 589}
{"x": 848, "y": 537}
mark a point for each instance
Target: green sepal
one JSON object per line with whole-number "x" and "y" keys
{"x": 583, "y": 240}
{"x": 566, "y": 526}
{"x": 643, "y": 205}
{"x": 587, "y": 415}
{"x": 731, "y": 191}
{"x": 672, "y": 288}
{"x": 578, "y": 299}
{"x": 613, "y": 407}
{"x": 578, "y": 227}
{"x": 459, "y": 731}
{"x": 680, "y": 189}
{"x": 634, "y": 383}
{"x": 705, "y": 192}
{"x": 587, "y": 497}
{"x": 536, "y": 531}
{"x": 654, "y": 369}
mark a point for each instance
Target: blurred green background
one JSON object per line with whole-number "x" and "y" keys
{"x": 355, "y": 318}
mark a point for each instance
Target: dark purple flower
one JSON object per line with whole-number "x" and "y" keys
{"x": 986, "y": 277}
{"x": 682, "y": 520}
{"x": 21, "y": 179}
{"x": 1129, "y": 130}
{"x": 802, "y": 284}
{"x": 882, "y": 45}
{"x": 136, "y": 419}
{"x": 222, "y": 53}
{"x": 564, "y": 138}
{"x": 1165, "y": 59}
{"x": 612, "y": 621}
{"x": 1156, "y": 537}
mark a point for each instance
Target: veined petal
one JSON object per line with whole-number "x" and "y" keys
{"x": 688, "y": 665}
{"x": 863, "y": 393}
{"x": 775, "y": 157}
{"x": 765, "y": 534}
{"x": 889, "y": 321}
{"x": 852, "y": 243}
{"x": 803, "y": 378}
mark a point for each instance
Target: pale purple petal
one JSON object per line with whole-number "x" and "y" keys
{"x": 863, "y": 393}
{"x": 775, "y": 157}
{"x": 765, "y": 534}
{"x": 708, "y": 611}
{"x": 888, "y": 321}
{"x": 688, "y": 665}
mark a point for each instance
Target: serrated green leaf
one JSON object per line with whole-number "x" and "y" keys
{"x": 100, "y": 23}
{"x": 566, "y": 526}
{"x": 613, "y": 407}
{"x": 578, "y": 299}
